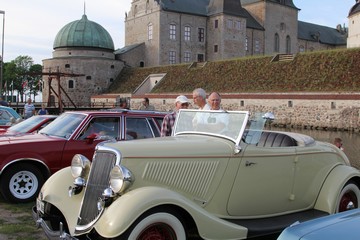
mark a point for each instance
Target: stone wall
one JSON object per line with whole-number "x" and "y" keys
{"x": 308, "y": 110}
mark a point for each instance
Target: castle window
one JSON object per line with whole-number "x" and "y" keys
{"x": 187, "y": 56}
{"x": 201, "y": 34}
{"x": 301, "y": 48}
{"x": 172, "y": 57}
{"x": 229, "y": 23}
{"x": 216, "y": 23}
{"x": 112, "y": 66}
{"x": 187, "y": 33}
{"x": 111, "y": 80}
{"x": 216, "y": 48}
{"x": 276, "y": 43}
{"x": 172, "y": 31}
{"x": 88, "y": 77}
{"x": 257, "y": 46}
{"x": 150, "y": 31}
{"x": 246, "y": 44}
{"x": 67, "y": 65}
{"x": 71, "y": 84}
{"x": 238, "y": 25}
{"x": 282, "y": 27}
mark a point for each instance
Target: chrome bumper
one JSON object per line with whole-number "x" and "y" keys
{"x": 50, "y": 234}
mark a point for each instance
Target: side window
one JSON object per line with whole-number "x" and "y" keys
{"x": 4, "y": 115}
{"x": 156, "y": 125}
{"x": 102, "y": 126}
{"x": 137, "y": 128}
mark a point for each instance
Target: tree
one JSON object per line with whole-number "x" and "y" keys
{"x": 23, "y": 75}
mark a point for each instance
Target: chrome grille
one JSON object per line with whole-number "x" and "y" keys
{"x": 98, "y": 180}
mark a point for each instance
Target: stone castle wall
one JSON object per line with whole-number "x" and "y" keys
{"x": 308, "y": 110}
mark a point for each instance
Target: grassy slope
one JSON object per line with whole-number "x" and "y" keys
{"x": 325, "y": 71}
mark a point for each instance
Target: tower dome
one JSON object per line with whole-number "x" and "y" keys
{"x": 83, "y": 33}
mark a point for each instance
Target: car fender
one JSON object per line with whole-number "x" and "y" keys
{"x": 56, "y": 191}
{"x": 333, "y": 185}
{"x": 119, "y": 216}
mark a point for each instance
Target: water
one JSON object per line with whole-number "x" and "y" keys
{"x": 351, "y": 141}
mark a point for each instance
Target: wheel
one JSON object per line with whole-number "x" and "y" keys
{"x": 349, "y": 197}
{"x": 21, "y": 183}
{"x": 160, "y": 225}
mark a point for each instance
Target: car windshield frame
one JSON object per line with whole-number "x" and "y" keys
{"x": 64, "y": 125}
{"x": 226, "y": 124}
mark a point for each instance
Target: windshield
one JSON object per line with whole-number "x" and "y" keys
{"x": 64, "y": 125}
{"x": 228, "y": 124}
{"x": 26, "y": 125}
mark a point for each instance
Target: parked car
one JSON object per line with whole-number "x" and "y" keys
{"x": 26, "y": 161}
{"x": 33, "y": 124}
{"x": 343, "y": 225}
{"x": 214, "y": 178}
{"x": 8, "y": 116}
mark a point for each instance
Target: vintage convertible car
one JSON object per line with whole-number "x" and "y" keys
{"x": 27, "y": 160}
{"x": 220, "y": 176}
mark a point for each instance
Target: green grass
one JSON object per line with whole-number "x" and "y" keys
{"x": 16, "y": 222}
{"x": 322, "y": 71}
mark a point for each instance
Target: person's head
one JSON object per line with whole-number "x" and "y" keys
{"x": 199, "y": 97}
{"x": 338, "y": 142}
{"x": 145, "y": 101}
{"x": 29, "y": 100}
{"x": 214, "y": 101}
{"x": 181, "y": 102}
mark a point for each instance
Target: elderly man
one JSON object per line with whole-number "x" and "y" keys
{"x": 181, "y": 102}
{"x": 199, "y": 97}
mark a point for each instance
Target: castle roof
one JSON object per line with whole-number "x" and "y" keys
{"x": 355, "y": 9}
{"x": 83, "y": 33}
{"x": 327, "y": 35}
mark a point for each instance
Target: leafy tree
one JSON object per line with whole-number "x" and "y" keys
{"x": 22, "y": 75}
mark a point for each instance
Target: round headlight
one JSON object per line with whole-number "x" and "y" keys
{"x": 120, "y": 179}
{"x": 116, "y": 179}
{"x": 80, "y": 166}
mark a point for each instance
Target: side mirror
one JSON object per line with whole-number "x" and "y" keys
{"x": 90, "y": 139}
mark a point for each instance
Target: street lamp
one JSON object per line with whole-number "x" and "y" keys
{"x": 2, "y": 53}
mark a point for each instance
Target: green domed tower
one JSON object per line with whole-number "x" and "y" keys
{"x": 84, "y": 58}
{"x": 83, "y": 33}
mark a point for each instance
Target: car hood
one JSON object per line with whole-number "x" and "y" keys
{"x": 23, "y": 138}
{"x": 338, "y": 226}
{"x": 182, "y": 146}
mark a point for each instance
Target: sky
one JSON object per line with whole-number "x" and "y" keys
{"x": 31, "y": 26}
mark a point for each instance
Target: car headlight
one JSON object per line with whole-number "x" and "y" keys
{"x": 120, "y": 179}
{"x": 80, "y": 166}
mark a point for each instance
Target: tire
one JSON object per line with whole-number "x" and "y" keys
{"x": 349, "y": 198}
{"x": 21, "y": 183}
{"x": 158, "y": 225}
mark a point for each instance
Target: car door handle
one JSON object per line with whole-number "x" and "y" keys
{"x": 248, "y": 164}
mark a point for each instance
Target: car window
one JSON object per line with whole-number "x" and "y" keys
{"x": 26, "y": 125}
{"x": 102, "y": 126}
{"x": 5, "y": 115}
{"x": 156, "y": 125}
{"x": 137, "y": 128}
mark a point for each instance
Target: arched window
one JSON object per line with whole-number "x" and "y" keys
{"x": 276, "y": 43}
{"x": 301, "y": 48}
{"x": 288, "y": 44}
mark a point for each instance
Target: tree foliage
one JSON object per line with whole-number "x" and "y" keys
{"x": 23, "y": 75}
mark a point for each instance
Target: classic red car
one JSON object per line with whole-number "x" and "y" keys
{"x": 33, "y": 124}
{"x": 26, "y": 161}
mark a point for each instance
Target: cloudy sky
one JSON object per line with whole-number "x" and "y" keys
{"x": 31, "y": 25}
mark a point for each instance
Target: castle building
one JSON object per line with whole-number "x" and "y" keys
{"x": 354, "y": 26}
{"x": 161, "y": 32}
{"x": 83, "y": 64}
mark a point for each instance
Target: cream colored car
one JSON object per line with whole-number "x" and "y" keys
{"x": 220, "y": 176}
